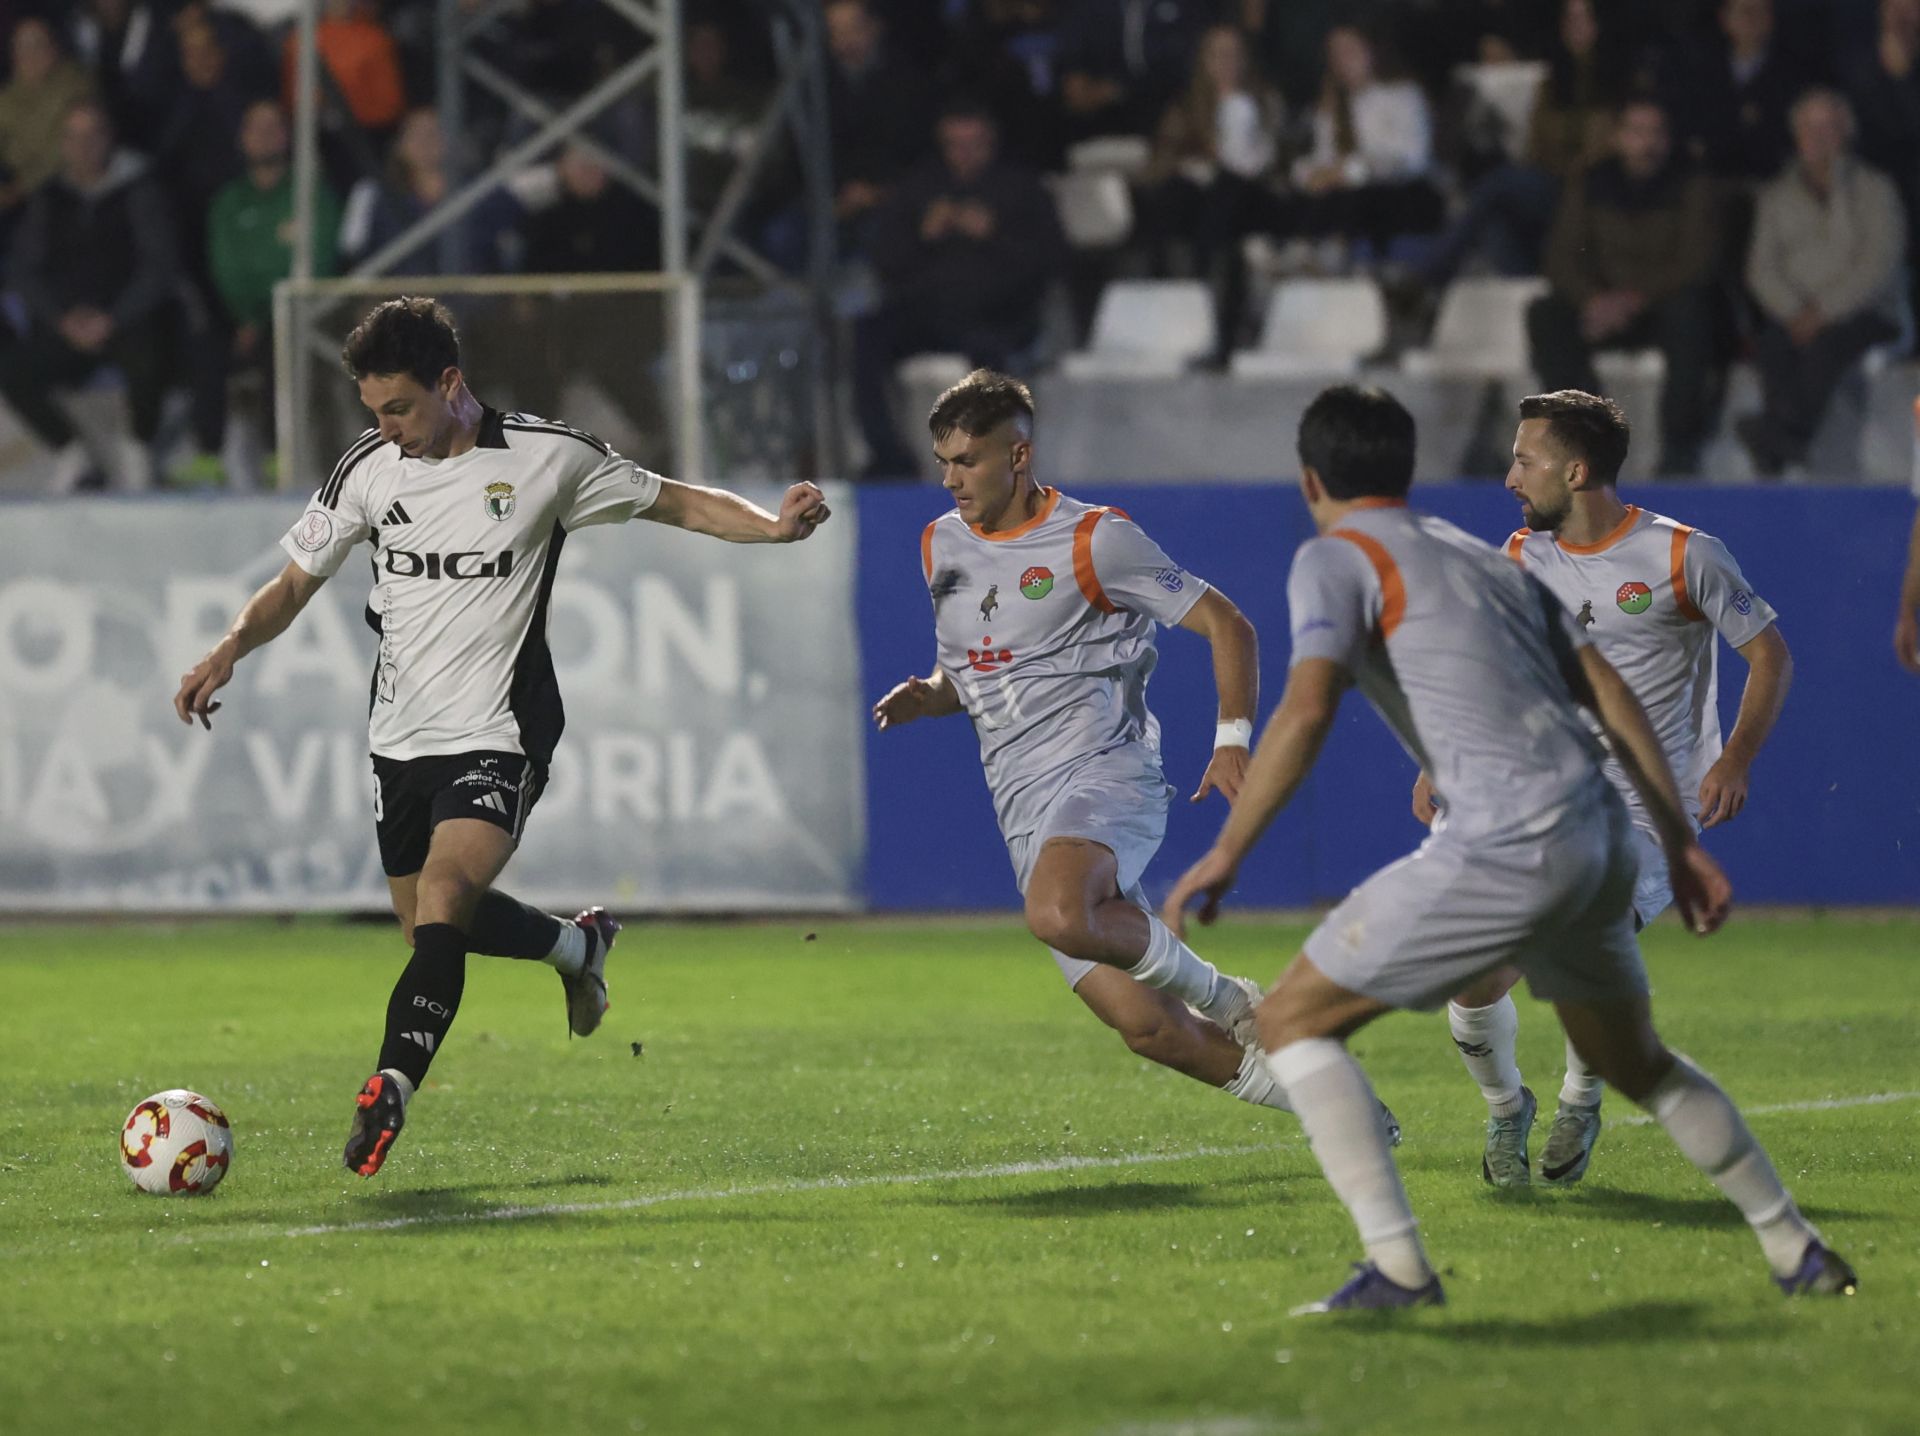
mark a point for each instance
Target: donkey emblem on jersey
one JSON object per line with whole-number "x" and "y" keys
{"x": 990, "y": 602}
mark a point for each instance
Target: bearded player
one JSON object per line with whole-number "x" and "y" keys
{"x": 1655, "y": 597}
{"x": 466, "y": 508}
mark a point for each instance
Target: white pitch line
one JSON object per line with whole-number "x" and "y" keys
{"x": 899, "y": 1179}
{"x": 1825, "y": 1104}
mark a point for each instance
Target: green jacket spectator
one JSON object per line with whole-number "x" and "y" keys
{"x": 250, "y": 230}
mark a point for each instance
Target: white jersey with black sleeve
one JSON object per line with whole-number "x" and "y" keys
{"x": 464, "y": 555}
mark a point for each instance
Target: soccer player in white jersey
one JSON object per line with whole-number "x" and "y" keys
{"x": 1044, "y": 611}
{"x": 1532, "y": 866}
{"x": 466, "y": 509}
{"x": 1654, "y": 596}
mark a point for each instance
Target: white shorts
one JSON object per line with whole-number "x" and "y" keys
{"x": 1653, "y": 889}
{"x": 1558, "y": 907}
{"x": 1125, "y": 816}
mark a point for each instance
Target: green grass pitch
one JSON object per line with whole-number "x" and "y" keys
{"x": 895, "y": 1180}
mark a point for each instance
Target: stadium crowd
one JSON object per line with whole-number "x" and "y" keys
{"x": 1715, "y": 181}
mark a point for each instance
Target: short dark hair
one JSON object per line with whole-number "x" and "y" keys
{"x": 1584, "y": 426}
{"x": 1359, "y": 439}
{"x": 979, "y": 404}
{"x": 410, "y": 335}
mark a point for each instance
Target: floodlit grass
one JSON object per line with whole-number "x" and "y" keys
{"x": 894, "y": 1179}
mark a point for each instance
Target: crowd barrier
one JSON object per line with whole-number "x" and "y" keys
{"x": 719, "y": 753}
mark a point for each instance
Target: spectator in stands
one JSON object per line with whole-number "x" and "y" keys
{"x": 1826, "y": 268}
{"x": 359, "y": 56}
{"x": 1510, "y": 208}
{"x": 1122, "y": 61}
{"x": 250, "y": 240}
{"x": 130, "y": 49}
{"x": 1290, "y": 37}
{"x": 241, "y": 40}
{"x": 1884, "y": 87}
{"x": 1007, "y": 53}
{"x": 722, "y": 111}
{"x": 595, "y": 227}
{"x": 1729, "y": 97}
{"x": 1369, "y": 173}
{"x": 194, "y": 152}
{"x": 33, "y": 108}
{"x": 878, "y": 112}
{"x": 1631, "y": 261}
{"x": 94, "y": 265}
{"x": 965, "y": 250}
{"x": 380, "y": 211}
{"x": 1204, "y": 187}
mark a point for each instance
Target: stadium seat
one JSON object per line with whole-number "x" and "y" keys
{"x": 1480, "y": 332}
{"x": 1095, "y": 207}
{"x": 1316, "y": 327}
{"x": 1629, "y": 366}
{"x": 1146, "y": 328}
{"x": 1124, "y": 155}
{"x": 1511, "y": 91}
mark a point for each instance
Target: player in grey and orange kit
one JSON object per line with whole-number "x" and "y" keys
{"x": 1044, "y": 614}
{"x": 1655, "y": 597}
{"x": 1482, "y": 675}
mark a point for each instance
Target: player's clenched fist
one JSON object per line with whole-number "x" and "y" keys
{"x": 198, "y": 685}
{"x": 802, "y": 511}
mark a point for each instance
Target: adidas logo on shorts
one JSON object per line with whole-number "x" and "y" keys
{"x": 491, "y": 800}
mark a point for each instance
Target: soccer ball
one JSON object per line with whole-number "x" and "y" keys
{"x": 176, "y": 1141}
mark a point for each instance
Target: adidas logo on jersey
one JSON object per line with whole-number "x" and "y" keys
{"x": 396, "y": 515}
{"x": 491, "y": 800}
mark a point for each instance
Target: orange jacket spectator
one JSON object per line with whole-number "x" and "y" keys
{"x": 360, "y": 55}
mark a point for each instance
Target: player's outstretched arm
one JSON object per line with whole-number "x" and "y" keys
{"x": 933, "y": 697}
{"x": 264, "y": 618}
{"x": 1236, "y": 677}
{"x": 724, "y": 515}
{"x": 1288, "y": 748}
{"x": 1723, "y": 792}
{"x": 1906, "y": 626}
{"x": 1700, "y": 889}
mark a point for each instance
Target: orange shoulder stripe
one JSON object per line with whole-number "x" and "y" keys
{"x": 926, "y": 550}
{"x": 1516, "y": 543}
{"x": 1393, "y": 588}
{"x": 1083, "y": 573}
{"x": 1677, "y": 561}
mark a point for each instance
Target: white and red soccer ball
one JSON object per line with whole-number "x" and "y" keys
{"x": 176, "y": 1142}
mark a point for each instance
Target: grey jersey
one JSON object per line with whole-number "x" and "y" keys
{"x": 1047, "y": 632}
{"x": 1652, "y": 595}
{"x": 1463, "y": 654}
{"x": 464, "y": 554}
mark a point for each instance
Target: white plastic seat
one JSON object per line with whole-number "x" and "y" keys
{"x": 1316, "y": 327}
{"x": 1480, "y": 332}
{"x": 1125, "y": 155}
{"x": 1629, "y": 366}
{"x": 933, "y": 371}
{"x": 1146, "y": 328}
{"x": 1095, "y": 207}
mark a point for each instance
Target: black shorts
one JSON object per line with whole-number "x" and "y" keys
{"x": 413, "y": 796}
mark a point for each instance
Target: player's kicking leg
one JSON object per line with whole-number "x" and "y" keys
{"x": 1618, "y": 1040}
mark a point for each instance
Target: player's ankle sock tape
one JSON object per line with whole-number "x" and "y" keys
{"x": 1580, "y": 1088}
{"x": 1337, "y": 1107}
{"x": 1255, "y": 1083}
{"x": 1710, "y": 1132}
{"x": 506, "y": 927}
{"x": 1171, "y": 966}
{"x": 1486, "y": 1037}
{"x": 425, "y": 1000}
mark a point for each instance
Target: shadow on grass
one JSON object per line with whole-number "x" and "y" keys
{"x": 1632, "y": 1324}
{"x": 1705, "y": 1210}
{"x": 1105, "y": 1197}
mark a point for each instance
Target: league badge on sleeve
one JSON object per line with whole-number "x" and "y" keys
{"x": 1170, "y": 579}
{"x": 314, "y": 531}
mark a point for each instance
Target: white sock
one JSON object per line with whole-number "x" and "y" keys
{"x": 1255, "y": 1084}
{"x": 1172, "y": 966}
{"x": 1486, "y": 1037}
{"x": 1710, "y": 1132}
{"x": 569, "y": 953}
{"x": 1342, "y": 1119}
{"x": 1579, "y": 1088}
{"x": 402, "y": 1081}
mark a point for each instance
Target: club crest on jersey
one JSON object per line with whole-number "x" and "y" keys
{"x": 1036, "y": 582}
{"x": 1634, "y": 598}
{"x": 499, "y": 500}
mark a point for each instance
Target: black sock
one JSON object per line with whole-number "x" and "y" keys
{"x": 425, "y": 999}
{"x": 506, "y": 927}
